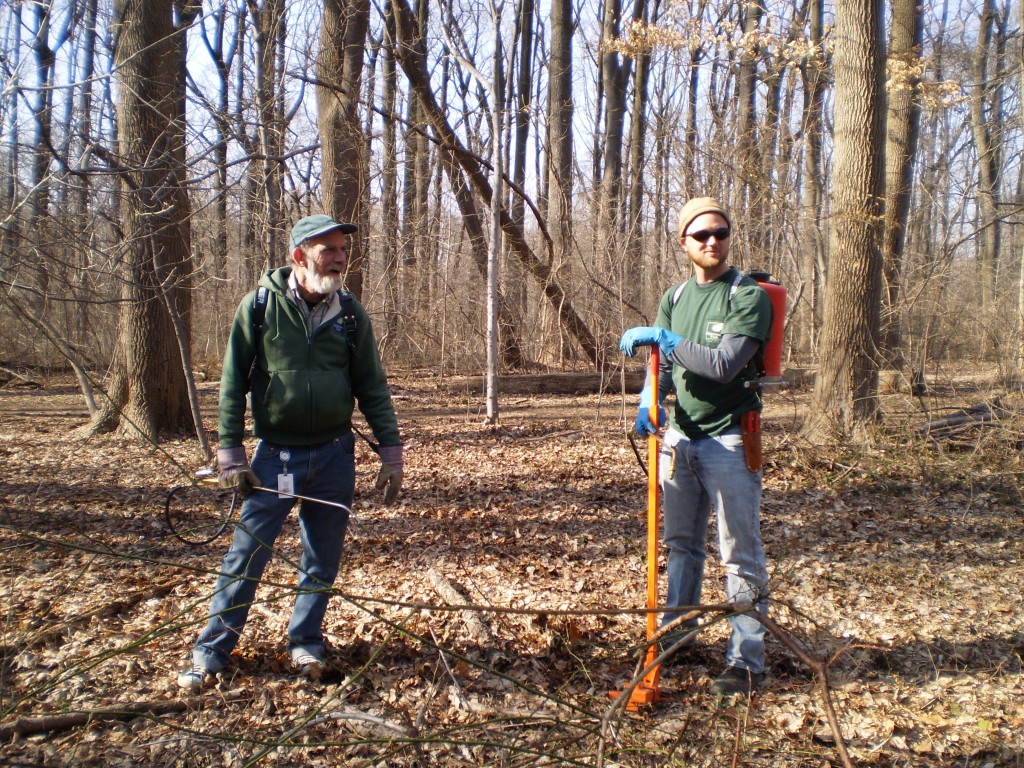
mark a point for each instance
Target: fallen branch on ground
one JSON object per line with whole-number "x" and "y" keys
{"x": 448, "y": 592}
{"x": 27, "y": 726}
{"x": 982, "y": 413}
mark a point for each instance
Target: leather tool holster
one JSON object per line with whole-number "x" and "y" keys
{"x": 750, "y": 426}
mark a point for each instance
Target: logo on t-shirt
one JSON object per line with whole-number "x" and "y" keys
{"x": 713, "y": 331}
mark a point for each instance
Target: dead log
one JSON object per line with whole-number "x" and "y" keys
{"x": 577, "y": 383}
{"x": 9, "y": 376}
{"x": 982, "y": 413}
{"x": 448, "y": 592}
{"x": 27, "y": 726}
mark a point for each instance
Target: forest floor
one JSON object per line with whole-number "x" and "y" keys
{"x": 899, "y": 564}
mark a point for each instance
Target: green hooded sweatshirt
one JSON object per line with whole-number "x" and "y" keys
{"x": 304, "y": 387}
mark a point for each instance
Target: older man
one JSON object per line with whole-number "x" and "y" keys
{"x": 304, "y": 351}
{"x": 709, "y": 330}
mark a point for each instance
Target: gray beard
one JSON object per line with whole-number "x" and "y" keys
{"x": 323, "y": 284}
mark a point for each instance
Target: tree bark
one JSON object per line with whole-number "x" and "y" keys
{"x": 522, "y": 100}
{"x": 389, "y": 197}
{"x": 751, "y": 185}
{"x": 268, "y": 20}
{"x": 813, "y": 71}
{"x": 902, "y": 131}
{"x": 847, "y": 383}
{"x": 632, "y": 286}
{"x": 222, "y": 49}
{"x": 148, "y": 393}
{"x": 1019, "y": 320}
{"x": 339, "y": 70}
{"x": 988, "y": 167}
{"x": 615, "y": 69}
{"x": 560, "y": 142}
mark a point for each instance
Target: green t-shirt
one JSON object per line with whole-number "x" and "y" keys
{"x": 702, "y": 314}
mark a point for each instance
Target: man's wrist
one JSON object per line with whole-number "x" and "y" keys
{"x": 391, "y": 455}
{"x": 232, "y": 456}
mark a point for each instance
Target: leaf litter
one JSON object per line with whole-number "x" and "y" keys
{"x": 484, "y": 619}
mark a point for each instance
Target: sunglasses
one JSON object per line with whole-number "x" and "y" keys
{"x": 703, "y": 235}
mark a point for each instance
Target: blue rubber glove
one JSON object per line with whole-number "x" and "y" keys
{"x": 644, "y": 336}
{"x": 643, "y": 425}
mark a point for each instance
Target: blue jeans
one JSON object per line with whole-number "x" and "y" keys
{"x": 712, "y": 473}
{"x": 325, "y": 472}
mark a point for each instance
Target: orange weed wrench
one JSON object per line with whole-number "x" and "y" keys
{"x": 646, "y": 691}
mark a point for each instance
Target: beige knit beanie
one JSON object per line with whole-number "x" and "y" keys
{"x": 697, "y": 206}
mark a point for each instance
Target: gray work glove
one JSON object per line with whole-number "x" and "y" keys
{"x": 235, "y": 471}
{"x": 390, "y": 476}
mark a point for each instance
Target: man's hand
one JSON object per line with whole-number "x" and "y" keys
{"x": 643, "y": 425}
{"x": 235, "y": 471}
{"x": 646, "y": 336}
{"x": 389, "y": 479}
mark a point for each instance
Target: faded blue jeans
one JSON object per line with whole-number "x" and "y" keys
{"x": 711, "y": 473}
{"x": 324, "y": 472}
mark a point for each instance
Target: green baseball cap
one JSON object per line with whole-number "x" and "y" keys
{"x": 314, "y": 226}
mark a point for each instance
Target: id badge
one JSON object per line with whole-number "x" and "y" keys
{"x": 285, "y": 486}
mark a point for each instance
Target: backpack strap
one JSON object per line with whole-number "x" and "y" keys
{"x": 678, "y": 292}
{"x": 259, "y": 314}
{"x": 734, "y": 286}
{"x": 348, "y": 317}
{"x": 348, "y": 313}
{"x": 259, "y": 309}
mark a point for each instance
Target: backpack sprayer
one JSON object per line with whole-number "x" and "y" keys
{"x": 772, "y": 352}
{"x": 769, "y": 367}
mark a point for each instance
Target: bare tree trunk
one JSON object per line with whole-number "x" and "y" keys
{"x": 988, "y": 170}
{"x": 751, "y": 187}
{"x": 1019, "y": 324}
{"x": 38, "y": 222}
{"x": 222, "y": 50}
{"x": 339, "y": 68}
{"x": 11, "y": 231}
{"x": 692, "y": 183}
{"x": 389, "y": 201}
{"x": 80, "y": 324}
{"x": 615, "y": 69}
{"x": 522, "y": 100}
{"x": 414, "y": 190}
{"x": 847, "y": 382}
{"x": 633, "y": 284}
{"x": 497, "y": 92}
{"x": 148, "y": 392}
{"x": 251, "y": 242}
{"x": 560, "y": 141}
{"x": 812, "y": 258}
{"x": 902, "y": 131}
{"x": 39, "y": 197}
{"x": 268, "y": 21}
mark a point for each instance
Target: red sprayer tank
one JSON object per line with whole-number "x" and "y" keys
{"x": 773, "y": 349}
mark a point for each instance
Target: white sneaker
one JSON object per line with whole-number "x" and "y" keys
{"x": 308, "y": 665}
{"x": 194, "y": 677}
